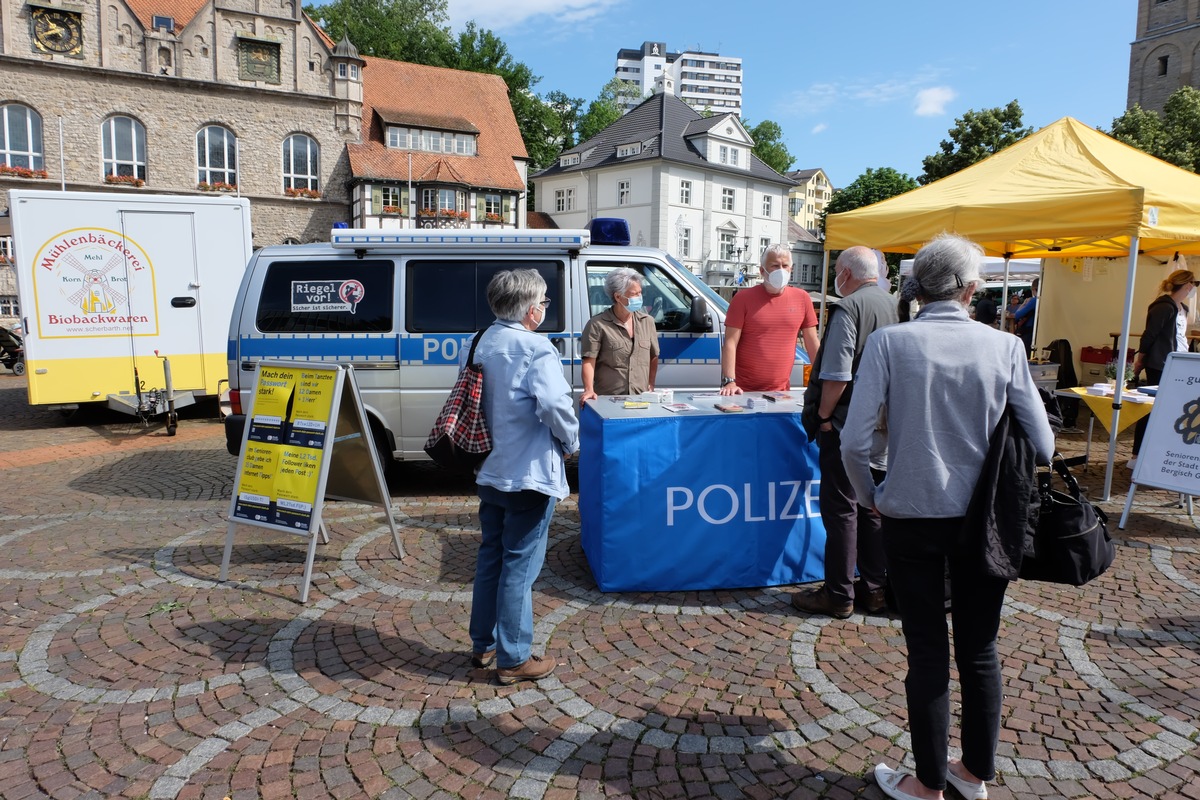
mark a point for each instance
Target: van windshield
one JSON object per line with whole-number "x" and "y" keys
{"x": 711, "y": 296}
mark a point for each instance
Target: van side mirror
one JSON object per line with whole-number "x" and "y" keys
{"x": 699, "y": 320}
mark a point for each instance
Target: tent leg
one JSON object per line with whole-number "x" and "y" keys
{"x": 824, "y": 293}
{"x": 1130, "y": 275}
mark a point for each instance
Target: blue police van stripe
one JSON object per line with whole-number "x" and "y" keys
{"x": 689, "y": 349}
{"x": 409, "y": 349}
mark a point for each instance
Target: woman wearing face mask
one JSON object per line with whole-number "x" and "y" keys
{"x": 1166, "y": 332}
{"x": 620, "y": 344}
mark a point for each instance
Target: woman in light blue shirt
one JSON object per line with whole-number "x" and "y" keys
{"x": 945, "y": 383}
{"x": 527, "y": 404}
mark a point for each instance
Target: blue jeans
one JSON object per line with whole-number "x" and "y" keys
{"x": 515, "y": 527}
{"x": 917, "y": 553}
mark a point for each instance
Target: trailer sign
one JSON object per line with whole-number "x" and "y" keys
{"x": 102, "y": 284}
{"x": 314, "y": 296}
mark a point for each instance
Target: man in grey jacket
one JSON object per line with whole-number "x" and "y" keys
{"x": 852, "y": 534}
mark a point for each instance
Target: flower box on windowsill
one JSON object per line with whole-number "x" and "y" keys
{"x": 492, "y": 218}
{"x": 216, "y": 187}
{"x": 23, "y": 172}
{"x": 303, "y": 194}
{"x": 391, "y": 211}
{"x": 124, "y": 180}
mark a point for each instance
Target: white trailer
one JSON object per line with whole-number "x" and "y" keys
{"x": 126, "y": 298}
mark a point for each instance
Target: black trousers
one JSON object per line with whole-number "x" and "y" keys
{"x": 917, "y": 553}
{"x": 852, "y": 533}
{"x": 1153, "y": 376}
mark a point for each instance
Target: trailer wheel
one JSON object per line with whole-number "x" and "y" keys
{"x": 172, "y": 423}
{"x": 18, "y": 368}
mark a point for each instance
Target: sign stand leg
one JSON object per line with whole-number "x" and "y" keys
{"x": 395, "y": 532}
{"x": 308, "y": 565}
{"x": 1128, "y": 505}
{"x": 228, "y": 552}
{"x": 324, "y": 532}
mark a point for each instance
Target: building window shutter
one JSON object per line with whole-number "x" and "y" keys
{"x": 480, "y": 205}
{"x": 376, "y": 200}
{"x": 507, "y": 207}
{"x": 404, "y": 201}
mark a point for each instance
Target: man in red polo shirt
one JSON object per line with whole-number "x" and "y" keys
{"x": 762, "y": 327}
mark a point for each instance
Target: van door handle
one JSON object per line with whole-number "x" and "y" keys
{"x": 560, "y": 346}
{"x": 183, "y": 302}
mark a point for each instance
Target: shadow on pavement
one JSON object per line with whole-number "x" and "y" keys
{"x": 163, "y": 475}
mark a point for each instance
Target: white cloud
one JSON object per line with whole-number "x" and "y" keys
{"x": 823, "y": 96}
{"x": 820, "y": 127}
{"x": 932, "y": 102}
{"x": 500, "y": 16}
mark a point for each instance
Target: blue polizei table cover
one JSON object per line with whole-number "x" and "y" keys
{"x": 700, "y": 499}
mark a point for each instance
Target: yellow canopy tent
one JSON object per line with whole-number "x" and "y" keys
{"x": 1063, "y": 192}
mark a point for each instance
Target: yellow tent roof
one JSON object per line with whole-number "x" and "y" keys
{"x": 1065, "y": 191}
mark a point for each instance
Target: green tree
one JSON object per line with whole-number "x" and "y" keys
{"x": 607, "y": 108}
{"x": 566, "y": 109}
{"x": 1173, "y": 136}
{"x": 416, "y": 31}
{"x": 769, "y": 146}
{"x": 975, "y": 136}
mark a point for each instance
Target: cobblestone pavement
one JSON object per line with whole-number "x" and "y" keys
{"x": 126, "y": 670}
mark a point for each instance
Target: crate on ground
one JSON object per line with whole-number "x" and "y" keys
{"x": 1047, "y": 371}
{"x": 1101, "y": 355}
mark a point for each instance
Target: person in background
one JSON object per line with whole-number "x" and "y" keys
{"x": 852, "y": 536}
{"x": 1023, "y": 318}
{"x": 528, "y": 407}
{"x": 620, "y": 344}
{"x": 985, "y": 310}
{"x": 1014, "y": 302}
{"x": 945, "y": 383}
{"x": 1166, "y": 332}
{"x": 762, "y": 327}
{"x": 884, "y": 281}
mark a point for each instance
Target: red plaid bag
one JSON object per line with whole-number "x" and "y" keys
{"x": 460, "y": 440}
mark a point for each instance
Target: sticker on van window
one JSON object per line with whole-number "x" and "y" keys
{"x": 313, "y": 296}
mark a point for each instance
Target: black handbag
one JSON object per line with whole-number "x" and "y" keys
{"x": 1071, "y": 544}
{"x": 460, "y": 439}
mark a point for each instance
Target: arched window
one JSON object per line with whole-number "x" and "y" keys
{"x": 216, "y": 156}
{"x": 20, "y": 137}
{"x": 301, "y": 162}
{"x": 124, "y": 143}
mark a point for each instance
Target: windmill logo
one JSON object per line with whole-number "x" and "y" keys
{"x": 94, "y": 282}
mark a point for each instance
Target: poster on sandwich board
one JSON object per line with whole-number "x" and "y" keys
{"x": 1169, "y": 457}
{"x": 306, "y": 439}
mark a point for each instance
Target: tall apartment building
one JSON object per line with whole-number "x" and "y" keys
{"x": 702, "y": 80}
{"x": 1165, "y": 55}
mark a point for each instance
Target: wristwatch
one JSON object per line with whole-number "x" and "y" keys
{"x": 726, "y": 381}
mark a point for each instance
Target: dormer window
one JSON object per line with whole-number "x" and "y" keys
{"x": 432, "y": 141}
{"x": 163, "y": 23}
{"x": 626, "y": 150}
{"x": 569, "y": 160}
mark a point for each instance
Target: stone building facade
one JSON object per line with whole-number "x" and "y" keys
{"x": 246, "y": 96}
{"x": 1165, "y": 55}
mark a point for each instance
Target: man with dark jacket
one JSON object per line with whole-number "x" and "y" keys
{"x": 852, "y": 533}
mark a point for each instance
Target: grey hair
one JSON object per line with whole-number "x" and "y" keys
{"x": 775, "y": 249}
{"x": 861, "y": 261}
{"x": 943, "y": 268}
{"x": 617, "y": 281}
{"x": 511, "y": 293}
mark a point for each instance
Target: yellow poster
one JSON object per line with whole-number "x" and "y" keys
{"x": 271, "y": 398}
{"x": 296, "y": 480}
{"x": 256, "y": 482}
{"x": 313, "y": 401}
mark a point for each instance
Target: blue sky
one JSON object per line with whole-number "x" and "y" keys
{"x": 854, "y": 84}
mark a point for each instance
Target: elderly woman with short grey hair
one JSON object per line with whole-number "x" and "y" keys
{"x": 945, "y": 383}
{"x": 527, "y": 403}
{"x": 620, "y": 344}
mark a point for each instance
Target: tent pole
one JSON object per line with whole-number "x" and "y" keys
{"x": 1004, "y": 293}
{"x": 824, "y": 295}
{"x": 1119, "y": 358}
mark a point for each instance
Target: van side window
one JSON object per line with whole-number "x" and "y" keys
{"x": 450, "y": 296}
{"x": 327, "y": 297}
{"x": 662, "y": 296}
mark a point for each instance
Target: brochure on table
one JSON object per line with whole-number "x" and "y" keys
{"x": 305, "y": 440}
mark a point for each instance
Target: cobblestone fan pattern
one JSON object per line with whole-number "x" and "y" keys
{"x": 126, "y": 670}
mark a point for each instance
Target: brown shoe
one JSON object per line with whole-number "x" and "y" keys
{"x": 818, "y": 601}
{"x": 872, "y": 601}
{"x": 532, "y": 670}
{"x": 483, "y": 660}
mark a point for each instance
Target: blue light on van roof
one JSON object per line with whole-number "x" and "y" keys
{"x": 365, "y": 239}
{"x": 609, "y": 230}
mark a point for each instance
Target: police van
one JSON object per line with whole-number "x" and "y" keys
{"x": 399, "y": 306}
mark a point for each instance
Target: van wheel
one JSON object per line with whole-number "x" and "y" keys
{"x": 383, "y": 450}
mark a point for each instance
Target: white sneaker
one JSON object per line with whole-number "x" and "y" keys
{"x": 968, "y": 789}
{"x": 1131, "y": 463}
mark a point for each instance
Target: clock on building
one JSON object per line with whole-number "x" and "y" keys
{"x": 56, "y": 30}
